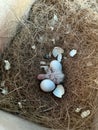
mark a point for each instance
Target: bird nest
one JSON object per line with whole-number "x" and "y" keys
{"x": 66, "y": 24}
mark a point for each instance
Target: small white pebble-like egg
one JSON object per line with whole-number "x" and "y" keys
{"x": 55, "y": 65}
{"x": 47, "y": 85}
{"x": 72, "y": 53}
{"x": 59, "y": 91}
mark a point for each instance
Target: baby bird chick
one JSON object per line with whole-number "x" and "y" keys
{"x": 56, "y": 76}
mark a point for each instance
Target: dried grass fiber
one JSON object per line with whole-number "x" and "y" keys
{"x": 76, "y": 28}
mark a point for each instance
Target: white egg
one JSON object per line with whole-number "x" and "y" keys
{"x": 47, "y": 85}
{"x": 59, "y": 91}
{"x": 55, "y": 65}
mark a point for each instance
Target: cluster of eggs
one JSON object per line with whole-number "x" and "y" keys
{"x": 51, "y": 81}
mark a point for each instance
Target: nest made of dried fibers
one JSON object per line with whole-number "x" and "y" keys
{"x": 76, "y": 28}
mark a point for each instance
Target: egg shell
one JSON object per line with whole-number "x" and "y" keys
{"x": 7, "y": 65}
{"x": 33, "y": 47}
{"x": 59, "y": 57}
{"x": 47, "y": 85}
{"x": 4, "y": 91}
{"x": 55, "y": 17}
{"x": 55, "y": 65}
{"x": 57, "y": 50}
{"x": 59, "y": 91}
{"x": 42, "y": 62}
{"x": 85, "y": 114}
{"x": 77, "y": 110}
{"x": 72, "y": 53}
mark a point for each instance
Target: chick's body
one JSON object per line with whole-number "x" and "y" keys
{"x": 54, "y": 73}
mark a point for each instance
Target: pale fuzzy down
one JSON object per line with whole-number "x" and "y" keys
{"x": 56, "y": 76}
